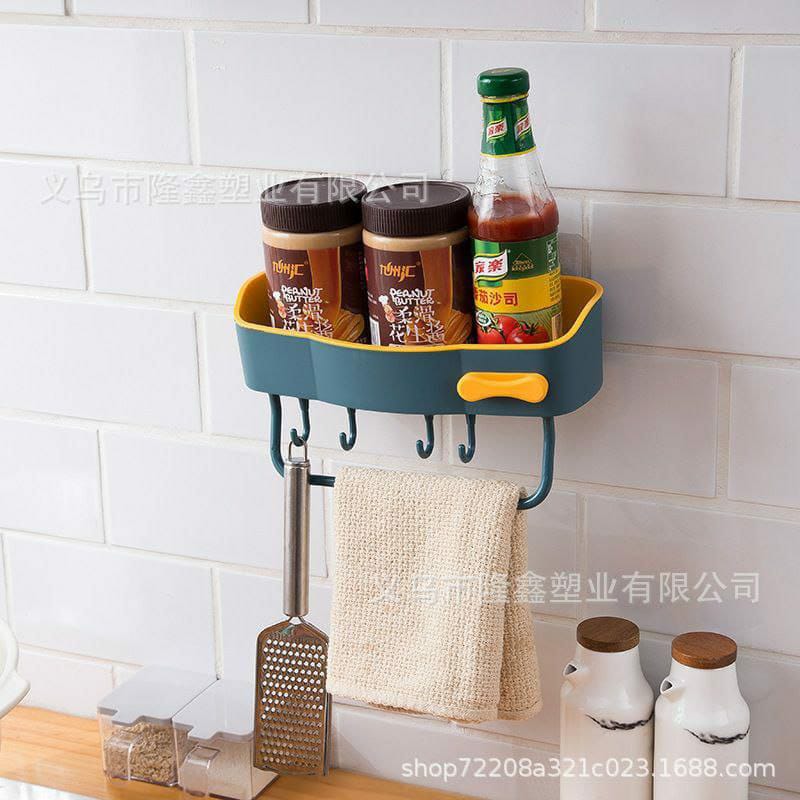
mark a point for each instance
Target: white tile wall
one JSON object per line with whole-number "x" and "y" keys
{"x": 251, "y": 603}
{"x": 710, "y": 16}
{"x": 769, "y": 165}
{"x": 764, "y": 410}
{"x": 50, "y": 480}
{"x": 246, "y": 79}
{"x": 114, "y": 93}
{"x": 32, "y": 6}
{"x": 683, "y": 276}
{"x": 388, "y": 745}
{"x": 505, "y": 14}
{"x": 101, "y": 362}
{"x": 66, "y": 684}
{"x": 650, "y": 412}
{"x": 157, "y": 233}
{"x": 629, "y": 537}
{"x": 111, "y": 103}
{"x": 244, "y": 10}
{"x": 640, "y": 118}
{"x": 40, "y": 224}
{"x": 110, "y": 604}
{"x": 218, "y": 503}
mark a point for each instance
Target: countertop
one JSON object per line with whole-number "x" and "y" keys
{"x": 63, "y": 752}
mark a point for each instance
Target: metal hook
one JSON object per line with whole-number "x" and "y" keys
{"x": 346, "y": 441}
{"x": 424, "y": 450}
{"x": 548, "y": 456}
{"x": 466, "y": 453}
{"x": 300, "y": 439}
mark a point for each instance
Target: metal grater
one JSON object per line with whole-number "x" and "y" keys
{"x": 292, "y": 710}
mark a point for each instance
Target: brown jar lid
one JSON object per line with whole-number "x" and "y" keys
{"x": 416, "y": 208}
{"x": 312, "y": 205}
{"x": 608, "y": 634}
{"x": 703, "y": 650}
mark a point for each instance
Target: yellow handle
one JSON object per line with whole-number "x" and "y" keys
{"x": 528, "y": 386}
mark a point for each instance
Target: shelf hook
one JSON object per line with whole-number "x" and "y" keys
{"x": 548, "y": 456}
{"x": 275, "y": 443}
{"x": 348, "y": 441}
{"x": 466, "y": 453}
{"x": 424, "y": 450}
{"x": 298, "y": 440}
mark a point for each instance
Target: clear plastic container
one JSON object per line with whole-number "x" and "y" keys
{"x": 136, "y": 723}
{"x": 214, "y": 742}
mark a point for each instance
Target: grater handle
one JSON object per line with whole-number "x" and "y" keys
{"x": 295, "y": 535}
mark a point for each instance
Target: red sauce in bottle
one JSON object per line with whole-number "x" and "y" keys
{"x": 511, "y": 219}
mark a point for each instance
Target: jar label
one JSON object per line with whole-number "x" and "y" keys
{"x": 506, "y": 127}
{"x": 318, "y": 291}
{"x": 420, "y": 297}
{"x": 521, "y": 281}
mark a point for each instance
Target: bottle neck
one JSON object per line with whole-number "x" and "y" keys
{"x": 611, "y": 666}
{"x": 506, "y": 126}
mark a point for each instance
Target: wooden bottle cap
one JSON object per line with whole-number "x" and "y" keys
{"x": 608, "y": 634}
{"x": 704, "y": 650}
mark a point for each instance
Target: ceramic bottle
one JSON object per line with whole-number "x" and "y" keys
{"x": 606, "y": 716}
{"x": 702, "y": 728}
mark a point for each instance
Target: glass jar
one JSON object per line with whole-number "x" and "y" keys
{"x": 419, "y": 271}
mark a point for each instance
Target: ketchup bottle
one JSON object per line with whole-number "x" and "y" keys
{"x": 513, "y": 222}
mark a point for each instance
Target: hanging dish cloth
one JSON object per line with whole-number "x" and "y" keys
{"x": 426, "y": 615}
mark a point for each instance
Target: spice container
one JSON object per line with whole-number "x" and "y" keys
{"x": 702, "y": 723}
{"x": 136, "y": 723}
{"x": 314, "y": 258}
{"x": 419, "y": 266}
{"x": 214, "y": 742}
{"x": 606, "y": 716}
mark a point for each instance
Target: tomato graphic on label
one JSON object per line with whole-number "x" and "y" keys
{"x": 507, "y": 325}
{"x": 490, "y": 336}
{"x": 534, "y": 334}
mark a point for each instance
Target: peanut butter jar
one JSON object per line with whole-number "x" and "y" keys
{"x": 418, "y": 264}
{"x": 314, "y": 258}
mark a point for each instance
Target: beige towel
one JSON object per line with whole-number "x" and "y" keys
{"x": 425, "y": 565}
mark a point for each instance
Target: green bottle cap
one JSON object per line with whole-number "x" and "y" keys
{"x": 503, "y": 82}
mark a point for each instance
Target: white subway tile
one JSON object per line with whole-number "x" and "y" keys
{"x": 158, "y": 234}
{"x": 405, "y": 748}
{"x": 251, "y": 603}
{"x": 40, "y": 224}
{"x": 302, "y": 102}
{"x": 656, "y": 415}
{"x": 570, "y": 235}
{"x": 683, "y": 276}
{"x": 219, "y": 503}
{"x": 649, "y": 118}
{"x": 102, "y": 362}
{"x": 49, "y": 480}
{"x": 63, "y": 683}
{"x": 32, "y": 6}
{"x": 689, "y": 16}
{"x": 769, "y": 165}
{"x": 3, "y": 591}
{"x": 626, "y": 537}
{"x": 109, "y": 604}
{"x": 97, "y": 92}
{"x": 547, "y": 15}
{"x": 239, "y": 10}
{"x": 555, "y": 647}
{"x": 765, "y": 436}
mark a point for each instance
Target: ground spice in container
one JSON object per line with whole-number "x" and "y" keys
{"x": 314, "y": 258}
{"x": 142, "y": 752}
{"x": 419, "y": 264}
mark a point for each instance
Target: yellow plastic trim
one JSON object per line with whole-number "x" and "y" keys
{"x": 580, "y": 295}
{"x": 528, "y": 386}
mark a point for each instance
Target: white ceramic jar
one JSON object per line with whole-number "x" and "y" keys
{"x": 702, "y": 723}
{"x": 606, "y": 716}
